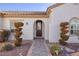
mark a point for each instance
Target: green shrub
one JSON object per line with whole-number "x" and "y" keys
{"x": 5, "y": 34}
{"x": 6, "y": 47}
{"x": 55, "y": 49}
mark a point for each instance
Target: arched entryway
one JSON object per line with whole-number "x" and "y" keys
{"x": 39, "y": 29}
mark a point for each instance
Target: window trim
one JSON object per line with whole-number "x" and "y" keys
{"x": 72, "y": 25}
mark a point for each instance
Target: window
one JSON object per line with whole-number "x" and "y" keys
{"x": 74, "y": 26}
{"x": 39, "y": 26}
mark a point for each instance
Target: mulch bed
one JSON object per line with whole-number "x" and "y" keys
{"x": 18, "y": 51}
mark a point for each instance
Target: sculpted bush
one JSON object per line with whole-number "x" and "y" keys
{"x": 6, "y": 47}
{"x": 63, "y": 35}
{"x": 18, "y": 33}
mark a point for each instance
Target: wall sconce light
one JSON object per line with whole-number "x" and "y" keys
{"x": 26, "y": 23}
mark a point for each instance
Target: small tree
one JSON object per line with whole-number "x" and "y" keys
{"x": 18, "y": 33}
{"x": 63, "y": 34}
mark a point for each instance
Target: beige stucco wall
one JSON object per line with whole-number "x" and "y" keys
{"x": 27, "y": 28}
{"x": 61, "y": 14}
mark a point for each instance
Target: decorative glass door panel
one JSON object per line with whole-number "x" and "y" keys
{"x": 38, "y": 28}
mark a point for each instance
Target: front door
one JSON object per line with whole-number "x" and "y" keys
{"x": 39, "y": 28}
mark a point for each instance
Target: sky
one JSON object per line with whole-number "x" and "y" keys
{"x": 24, "y": 6}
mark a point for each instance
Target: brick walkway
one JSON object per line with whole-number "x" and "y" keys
{"x": 39, "y": 48}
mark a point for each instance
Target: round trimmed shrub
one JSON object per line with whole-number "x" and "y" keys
{"x": 55, "y": 50}
{"x": 6, "y": 47}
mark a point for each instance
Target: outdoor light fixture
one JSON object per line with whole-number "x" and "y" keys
{"x": 26, "y": 23}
